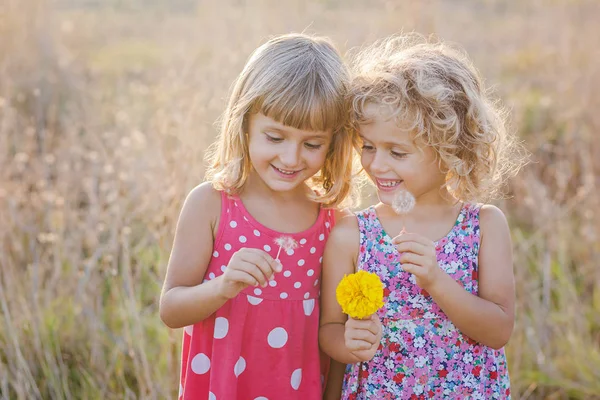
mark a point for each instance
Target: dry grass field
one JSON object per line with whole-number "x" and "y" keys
{"x": 107, "y": 106}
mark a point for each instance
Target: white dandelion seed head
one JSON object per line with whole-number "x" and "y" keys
{"x": 403, "y": 202}
{"x": 286, "y": 243}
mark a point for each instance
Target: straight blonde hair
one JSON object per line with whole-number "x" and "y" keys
{"x": 301, "y": 82}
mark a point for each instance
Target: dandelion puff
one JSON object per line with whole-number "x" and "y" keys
{"x": 286, "y": 243}
{"x": 403, "y": 202}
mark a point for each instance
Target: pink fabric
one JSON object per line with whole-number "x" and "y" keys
{"x": 263, "y": 344}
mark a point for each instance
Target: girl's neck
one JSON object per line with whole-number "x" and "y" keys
{"x": 287, "y": 212}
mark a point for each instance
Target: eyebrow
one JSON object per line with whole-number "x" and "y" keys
{"x": 391, "y": 144}
{"x": 283, "y": 131}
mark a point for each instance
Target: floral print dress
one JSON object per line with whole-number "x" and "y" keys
{"x": 422, "y": 354}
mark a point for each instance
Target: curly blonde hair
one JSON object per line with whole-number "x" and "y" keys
{"x": 299, "y": 81}
{"x": 434, "y": 90}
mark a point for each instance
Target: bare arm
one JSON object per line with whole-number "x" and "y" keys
{"x": 489, "y": 317}
{"x": 335, "y": 378}
{"x": 339, "y": 259}
{"x": 184, "y": 299}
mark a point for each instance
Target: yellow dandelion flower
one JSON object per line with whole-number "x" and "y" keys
{"x": 360, "y": 294}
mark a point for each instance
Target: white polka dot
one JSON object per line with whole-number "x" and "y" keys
{"x": 223, "y": 268}
{"x": 283, "y": 295}
{"x": 189, "y": 329}
{"x": 239, "y": 367}
{"x": 273, "y": 283}
{"x": 306, "y": 295}
{"x": 302, "y": 241}
{"x": 287, "y": 274}
{"x": 200, "y": 364}
{"x": 316, "y": 283}
{"x": 256, "y": 232}
{"x": 300, "y": 262}
{"x": 243, "y": 239}
{"x": 180, "y": 389}
{"x": 211, "y": 396}
{"x": 257, "y": 291}
{"x": 212, "y": 275}
{"x": 221, "y": 327}
{"x": 313, "y": 250}
{"x": 310, "y": 272}
{"x": 309, "y": 306}
{"x": 327, "y": 224}
{"x": 261, "y": 398}
{"x": 277, "y": 338}
{"x": 296, "y": 378}
{"x": 297, "y": 285}
{"x": 320, "y": 259}
{"x": 290, "y": 252}
{"x": 216, "y": 254}
{"x": 322, "y": 237}
{"x": 254, "y": 300}
{"x": 227, "y": 246}
{"x": 233, "y": 224}
{"x": 267, "y": 247}
{"x": 245, "y": 219}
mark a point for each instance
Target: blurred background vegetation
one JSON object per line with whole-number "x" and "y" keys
{"x": 107, "y": 106}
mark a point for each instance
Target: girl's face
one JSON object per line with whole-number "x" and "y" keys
{"x": 394, "y": 162}
{"x": 285, "y": 157}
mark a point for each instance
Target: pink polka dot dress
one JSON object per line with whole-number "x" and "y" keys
{"x": 263, "y": 344}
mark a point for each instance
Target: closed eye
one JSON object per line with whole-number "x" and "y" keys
{"x": 313, "y": 146}
{"x": 273, "y": 138}
{"x": 367, "y": 147}
{"x": 398, "y": 155}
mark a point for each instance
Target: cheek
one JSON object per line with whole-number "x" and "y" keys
{"x": 366, "y": 159}
{"x": 315, "y": 159}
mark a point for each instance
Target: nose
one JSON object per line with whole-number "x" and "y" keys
{"x": 290, "y": 156}
{"x": 378, "y": 164}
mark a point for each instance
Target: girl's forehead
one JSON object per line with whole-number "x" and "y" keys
{"x": 265, "y": 122}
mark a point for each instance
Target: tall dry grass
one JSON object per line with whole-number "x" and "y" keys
{"x": 106, "y": 108}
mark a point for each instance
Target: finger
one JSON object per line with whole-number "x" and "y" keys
{"x": 253, "y": 270}
{"x": 368, "y": 324}
{"x": 242, "y": 277}
{"x": 412, "y": 258}
{"x": 356, "y": 344}
{"x": 261, "y": 262}
{"x": 412, "y": 268}
{"x": 414, "y": 247}
{"x": 362, "y": 334}
{"x": 271, "y": 263}
{"x": 411, "y": 237}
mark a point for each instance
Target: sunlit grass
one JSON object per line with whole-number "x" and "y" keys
{"x": 105, "y": 112}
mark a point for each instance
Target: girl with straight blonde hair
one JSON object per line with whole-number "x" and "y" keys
{"x": 244, "y": 273}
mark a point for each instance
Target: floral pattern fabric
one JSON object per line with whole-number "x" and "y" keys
{"x": 422, "y": 354}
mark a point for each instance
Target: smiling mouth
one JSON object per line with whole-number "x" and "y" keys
{"x": 388, "y": 184}
{"x": 286, "y": 172}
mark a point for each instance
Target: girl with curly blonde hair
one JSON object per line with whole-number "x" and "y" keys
{"x": 435, "y": 146}
{"x": 244, "y": 273}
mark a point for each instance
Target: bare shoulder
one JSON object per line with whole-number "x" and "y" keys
{"x": 202, "y": 204}
{"x": 340, "y": 213}
{"x": 344, "y": 238}
{"x": 492, "y": 219}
